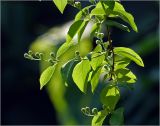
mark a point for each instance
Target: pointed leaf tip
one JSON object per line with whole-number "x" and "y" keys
{"x": 60, "y": 4}
{"x": 46, "y": 75}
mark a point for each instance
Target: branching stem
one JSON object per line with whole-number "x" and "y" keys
{"x": 110, "y": 49}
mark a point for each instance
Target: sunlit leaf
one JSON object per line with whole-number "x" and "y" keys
{"x": 109, "y": 96}
{"x": 89, "y": 76}
{"x": 79, "y": 15}
{"x": 61, "y": 4}
{"x": 98, "y": 48}
{"x": 121, "y": 62}
{"x": 117, "y": 117}
{"x": 67, "y": 70}
{"x": 64, "y": 48}
{"x": 117, "y": 11}
{"x": 46, "y": 75}
{"x": 125, "y": 75}
{"x": 98, "y": 11}
{"x": 118, "y": 25}
{"x": 83, "y": 26}
{"x": 96, "y": 60}
{"x": 80, "y": 74}
{"x": 99, "y": 118}
{"x": 127, "y": 17}
{"x": 95, "y": 28}
{"x": 95, "y": 78}
{"x": 73, "y": 30}
{"x": 129, "y": 53}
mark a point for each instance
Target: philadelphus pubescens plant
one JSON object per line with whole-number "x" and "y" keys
{"x": 104, "y": 59}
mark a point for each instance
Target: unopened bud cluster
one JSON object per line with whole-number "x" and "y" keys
{"x": 89, "y": 112}
{"x": 30, "y": 55}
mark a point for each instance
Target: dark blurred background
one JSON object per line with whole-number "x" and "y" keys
{"x": 23, "y": 102}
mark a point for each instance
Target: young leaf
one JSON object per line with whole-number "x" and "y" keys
{"x": 118, "y": 25}
{"x": 95, "y": 78}
{"x": 64, "y": 48}
{"x": 117, "y": 117}
{"x": 73, "y": 30}
{"x": 80, "y": 74}
{"x": 98, "y": 48}
{"x": 125, "y": 75}
{"x": 108, "y": 4}
{"x": 95, "y": 28}
{"x": 99, "y": 118}
{"x": 112, "y": 5}
{"x": 61, "y": 4}
{"x": 67, "y": 69}
{"x": 109, "y": 96}
{"x": 46, "y": 75}
{"x": 120, "y": 11}
{"x": 83, "y": 26}
{"x": 96, "y": 60}
{"x": 120, "y": 62}
{"x": 117, "y": 11}
{"x": 129, "y": 53}
{"x": 127, "y": 17}
{"x": 98, "y": 11}
{"x": 79, "y": 15}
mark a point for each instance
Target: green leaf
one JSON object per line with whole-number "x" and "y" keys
{"x": 117, "y": 11}
{"x": 118, "y": 6}
{"x": 97, "y": 11}
{"x": 73, "y": 30}
{"x": 95, "y": 28}
{"x": 46, "y": 75}
{"x": 127, "y": 17}
{"x": 125, "y": 85}
{"x": 108, "y": 4}
{"x": 89, "y": 76}
{"x": 80, "y": 74}
{"x": 129, "y": 53}
{"x": 109, "y": 96}
{"x": 67, "y": 69}
{"x": 98, "y": 48}
{"x": 120, "y": 62}
{"x": 83, "y": 26}
{"x": 79, "y": 15}
{"x": 99, "y": 118}
{"x": 64, "y": 48}
{"x": 95, "y": 78}
{"x": 61, "y": 4}
{"x": 120, "y": 11}
{"x": 96, "y": 60}
{"x": 118, "y": 25}
{"x": 125, "y": 75}
{"x": 117, "y": 117}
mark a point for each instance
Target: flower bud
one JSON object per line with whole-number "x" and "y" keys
{"x": 87, "y": 110}
{"x": 78, "y": 5}
{"x": 26, "y": 56}
{"x": 30, "y": 52}
{"x": 95, "y": 111}
{"x": 100, "y": 35}
{"x": 96, "y": 34}
{"x": 98, "y": 42}
{"x": 41, "y": 55}
{"x": 83, "y": 110}
{"x": 77, "y": 53}
{"x": 50, "y": 61}
{"x": 52, "y": 54}
{"x": 37, "y": 54}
